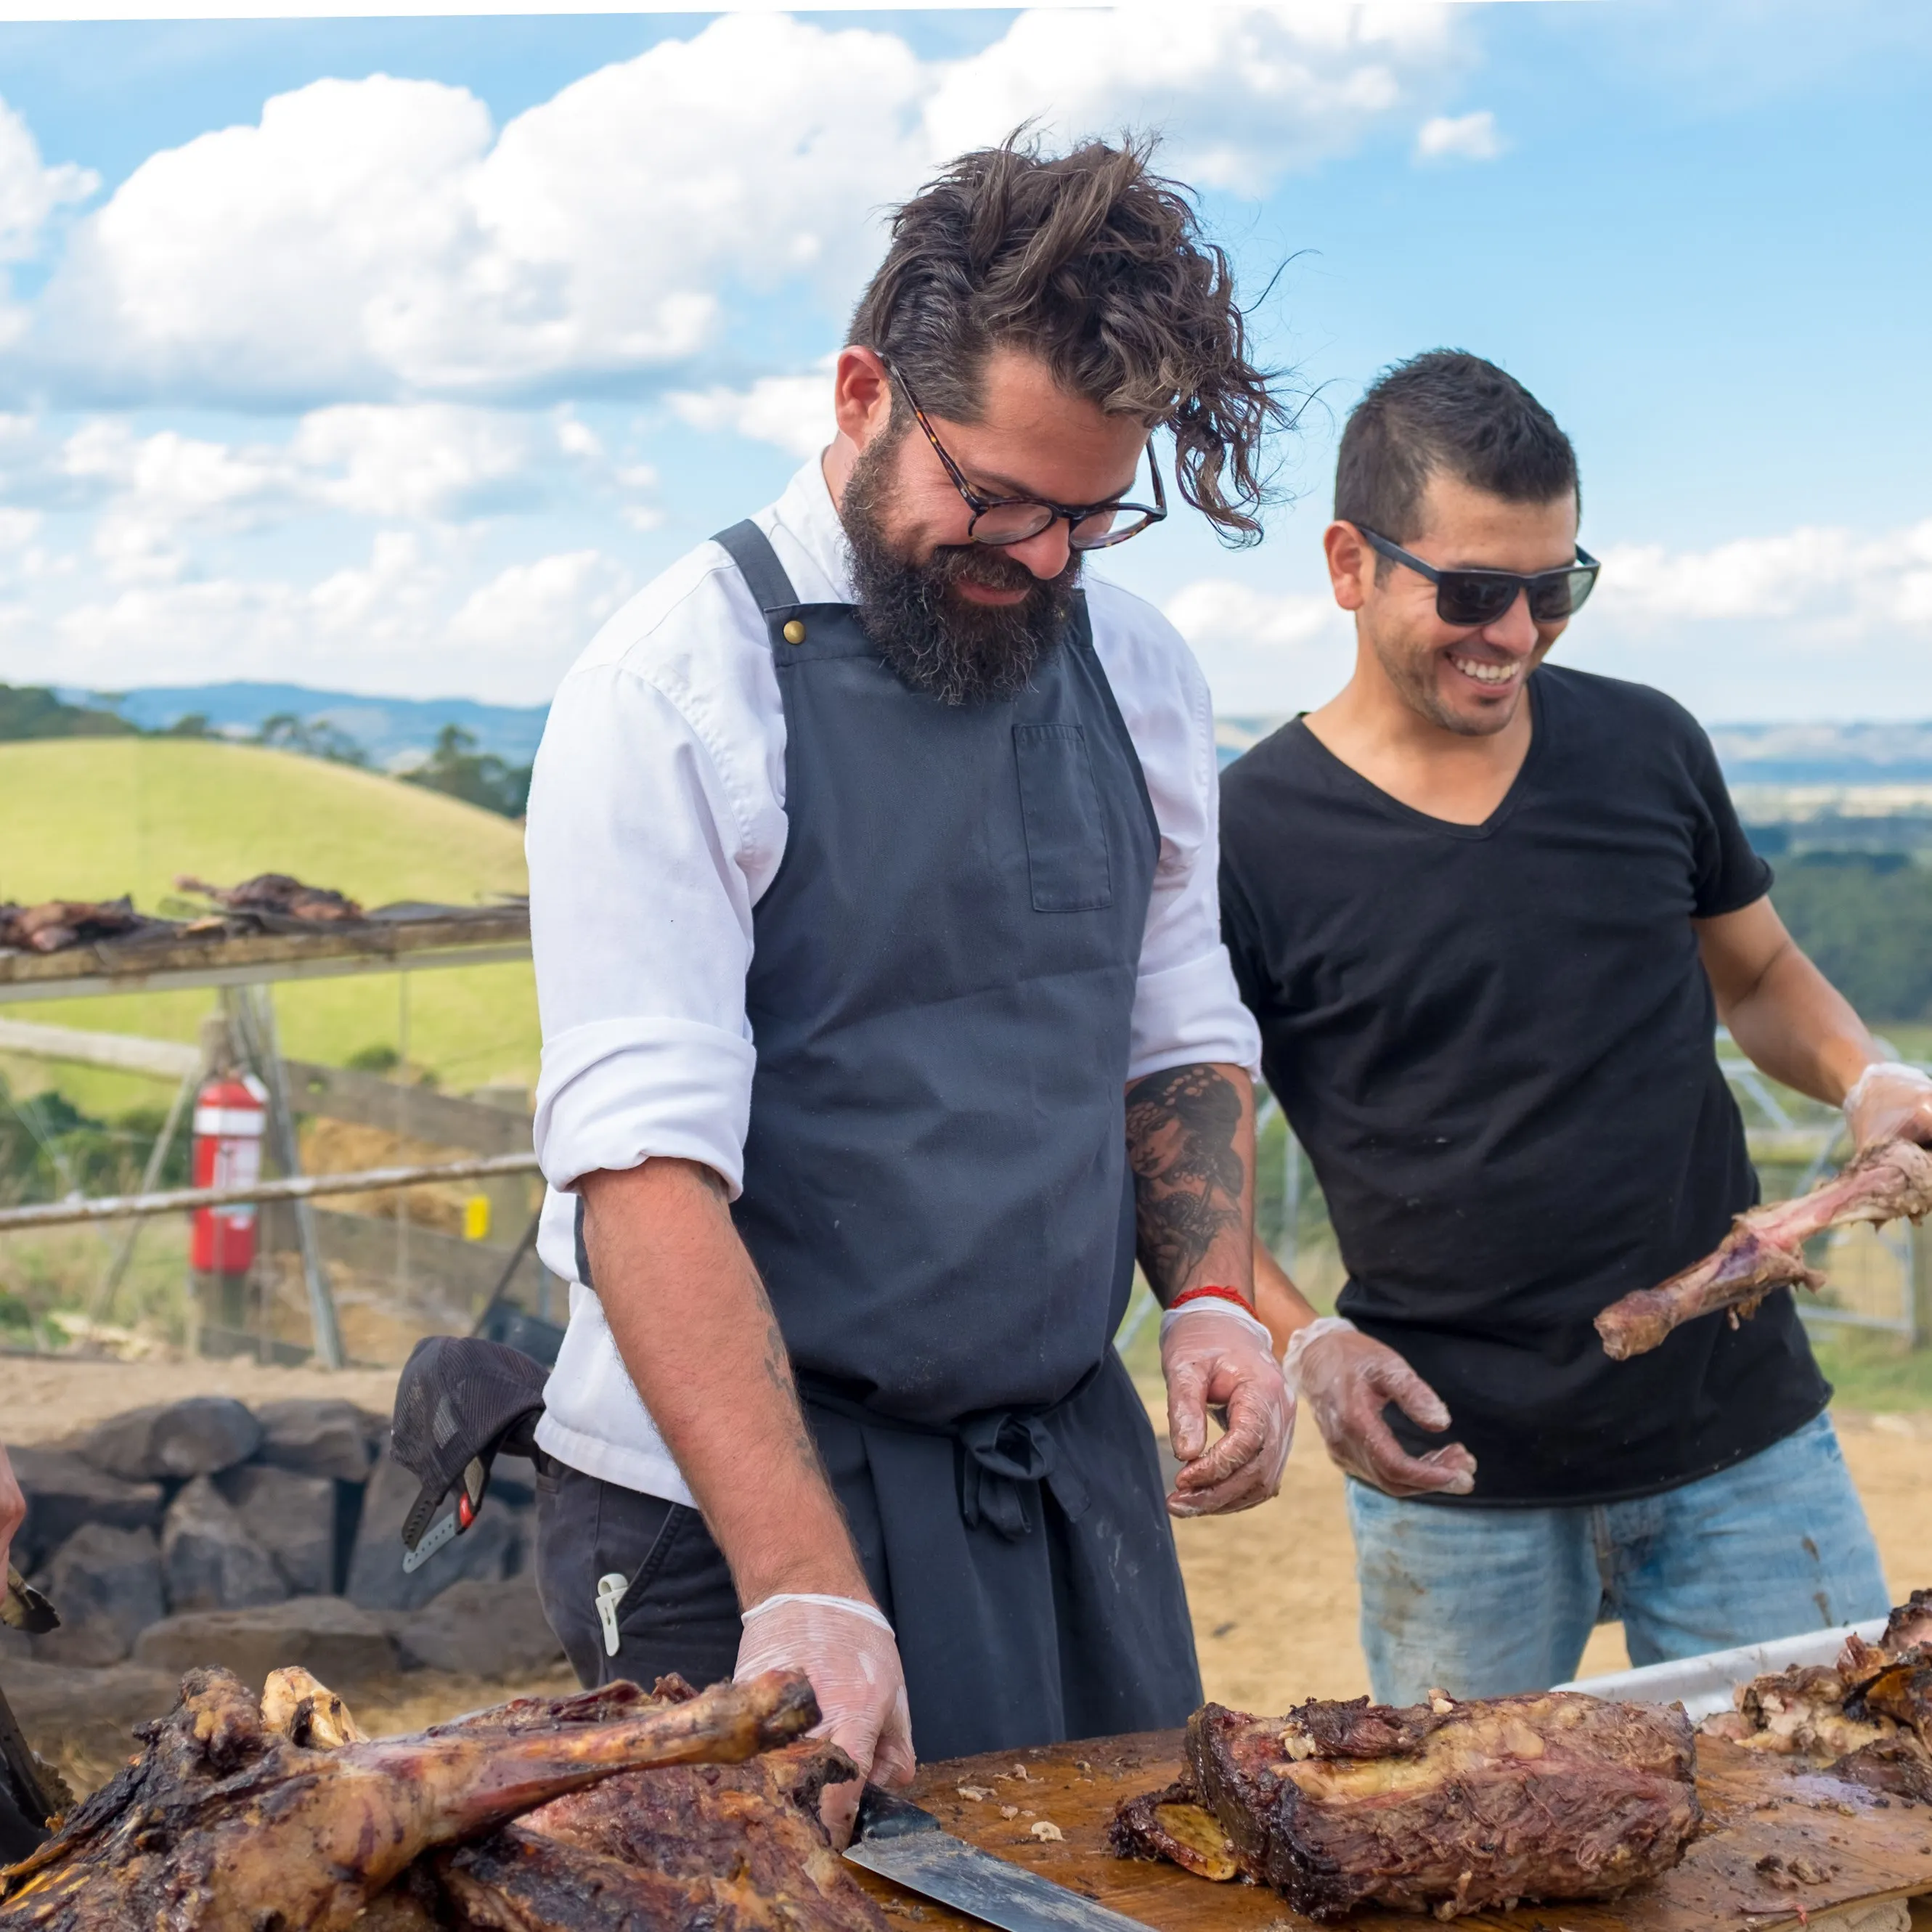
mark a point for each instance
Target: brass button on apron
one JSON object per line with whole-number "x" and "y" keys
{"x": 794, "y": 632}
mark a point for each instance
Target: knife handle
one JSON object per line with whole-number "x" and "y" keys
{"x": 882, "y": 1815}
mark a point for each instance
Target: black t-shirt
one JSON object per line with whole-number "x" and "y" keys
{"x": 1496, "y": 1043}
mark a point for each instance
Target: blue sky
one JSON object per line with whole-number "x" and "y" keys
{"x": 392, "y": 355}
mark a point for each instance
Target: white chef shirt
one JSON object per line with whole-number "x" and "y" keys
{"x": 657, "y": 820}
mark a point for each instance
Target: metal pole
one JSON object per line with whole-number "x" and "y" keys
{"x": 103, "y": 1294}
{"x": 326, "y": 1334}
{"x": 293, "y": 1187}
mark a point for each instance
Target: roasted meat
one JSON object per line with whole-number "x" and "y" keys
{"x": 1448, "y": 1807}
{"x": 1765, "y": 1248}
{"x": 1175, "y": 1825}
{"x": 278, "y": 894}
{"x": 1866, "y": 1717}
{"x": 223, "y": 1820}
{"x": 57, "y": 924}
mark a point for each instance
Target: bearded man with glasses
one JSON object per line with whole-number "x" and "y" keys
{"x": 1488, "y": 913}
{"x": 886, "y": 1013}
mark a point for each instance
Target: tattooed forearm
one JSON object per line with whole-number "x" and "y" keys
{"x": 1186, "y": 1142}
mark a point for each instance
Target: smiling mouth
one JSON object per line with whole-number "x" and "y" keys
{"x": 1486, "y": 672}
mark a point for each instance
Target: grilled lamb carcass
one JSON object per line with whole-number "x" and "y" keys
{"x": 709, "y": 1847}
{"x": 224, "y": 1820}
{"x": 1765, "y": 1248}
{"x": 1448, "y": 1808}
{"x": 277, "y": 892}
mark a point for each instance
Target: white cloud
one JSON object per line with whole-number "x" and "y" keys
{"x": 1461, "y": 137}
{"x": 1830, "y": 581}
{"x": 1264, "y": 651}
{"x": 1245, "y": 94}
{"x": 403, "y": 618}
{"x": 379, "y": 239}
{"x": 794, "y": 412}
{"x": 376, "y": 238}
{"x": 30, "y": 193}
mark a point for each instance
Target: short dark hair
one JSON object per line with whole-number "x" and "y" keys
{"x": 1446, "y": 411}
{"x": 1098, "y": 265}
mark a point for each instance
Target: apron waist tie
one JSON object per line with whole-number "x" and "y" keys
{"x": 1002, "y": 1450}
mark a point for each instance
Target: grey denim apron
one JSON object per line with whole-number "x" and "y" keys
{"x": 936, "y": 1186}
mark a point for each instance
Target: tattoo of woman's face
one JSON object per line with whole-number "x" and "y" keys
{"x": 1189, "y": 1175}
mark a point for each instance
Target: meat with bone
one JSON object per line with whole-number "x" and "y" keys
{"x": 714, "y": 1848}
{"x": 1765, "y": 1248}
{"x": 57, "y": 924}
{"x": 277, "y": 893}
{"x": 1448, "y": 1807}
{"x": 1866, "y": 1717}
{"x": 225, "y": 1820}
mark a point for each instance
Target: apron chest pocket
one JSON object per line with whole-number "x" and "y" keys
{"x": 1059, "y": 808}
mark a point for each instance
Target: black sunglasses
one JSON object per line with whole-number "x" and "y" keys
{"x": 1011, "y": 520}
{"x": 1468, "y": 597}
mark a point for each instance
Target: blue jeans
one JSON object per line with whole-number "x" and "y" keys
{"x": 1486, "y": 1602}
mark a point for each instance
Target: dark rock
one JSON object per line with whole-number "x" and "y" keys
{"x": 194, "y": 1438}
{"x": 376, "y": 1578}
{"x": 341, "y": 1643}
{"x": 292, "y": 1517}
{"x": 68, "y": 1713}
{"x": 106, "y": 1585}
{"x": 479, "y": 1630}
{"x": 209, "y": 1560}
{"x": 64, "y": 1491}
{"x": 316, "y": 1438}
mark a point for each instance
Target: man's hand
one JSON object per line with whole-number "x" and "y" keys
{"x": 1888, "y": 1102}
{"x": 847, "y": 1649}
{"x": 13, "y": 1511}
{"x": 1215, "y": 1356}
{"x": 1347, "y": 1380}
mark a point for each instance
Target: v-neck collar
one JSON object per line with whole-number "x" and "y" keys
{"x": 1387, "y": 802}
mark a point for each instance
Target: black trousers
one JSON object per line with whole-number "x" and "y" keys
{"x": 679, "y": 1612}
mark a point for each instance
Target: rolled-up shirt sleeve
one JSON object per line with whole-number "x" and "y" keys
{"x": 640, "y": 924}
{"x": 1186, "y": 1007}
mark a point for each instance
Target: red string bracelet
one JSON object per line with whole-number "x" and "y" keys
{"x": 1188, "y": 1294}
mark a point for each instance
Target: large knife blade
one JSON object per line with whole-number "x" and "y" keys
{"x": 899, "y": 1840}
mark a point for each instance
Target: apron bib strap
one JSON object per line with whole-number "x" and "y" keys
{"x": 751, "y": 550}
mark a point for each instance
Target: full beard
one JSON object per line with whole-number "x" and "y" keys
{"x": 935, "y": 639}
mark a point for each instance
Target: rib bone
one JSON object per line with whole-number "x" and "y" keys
{"x": 1765, "y": 1249}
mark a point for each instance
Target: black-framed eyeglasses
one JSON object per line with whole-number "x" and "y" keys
{"x": 1468, "y": 597}
{"x": 1011, "y": 520}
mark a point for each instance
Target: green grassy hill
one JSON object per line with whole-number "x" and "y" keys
{"x": 91, "y": 818}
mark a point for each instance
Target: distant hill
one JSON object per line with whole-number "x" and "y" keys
{"x": 391, "y": 729}
{"x": 92, "y": 817}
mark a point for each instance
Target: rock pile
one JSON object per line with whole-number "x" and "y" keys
{"x": 201, "y": 1532}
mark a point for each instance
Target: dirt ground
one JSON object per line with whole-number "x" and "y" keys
{"x": 1274, "y": 1590}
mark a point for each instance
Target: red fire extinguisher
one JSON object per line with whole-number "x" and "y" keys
{"x": 230, "y": 1116}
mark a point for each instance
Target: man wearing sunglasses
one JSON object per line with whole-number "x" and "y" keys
{"x": 1488, "y": 913}
{"x": 872, "y": 872}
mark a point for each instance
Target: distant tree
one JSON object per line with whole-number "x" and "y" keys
{"x": 1866, "y": 919}
{"x": 32, "y": 711}
{"x": 478, "y": 777}
{"x": 310, "y": 737}
{"x": 189, "y": 724}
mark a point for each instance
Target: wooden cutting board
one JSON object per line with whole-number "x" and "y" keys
{"x": 1862, "y": 1848}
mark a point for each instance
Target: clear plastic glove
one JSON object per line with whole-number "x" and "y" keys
{"x": 13, "y": 1513}
{"x": 1347, "y": 1380}
{"x": 847, "y": 1649}
{"x": 1217, "y": 1356}
{"x": 1889, "y": 1101}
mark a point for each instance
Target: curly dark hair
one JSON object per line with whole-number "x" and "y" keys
{"x": 1098, "y": 265}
